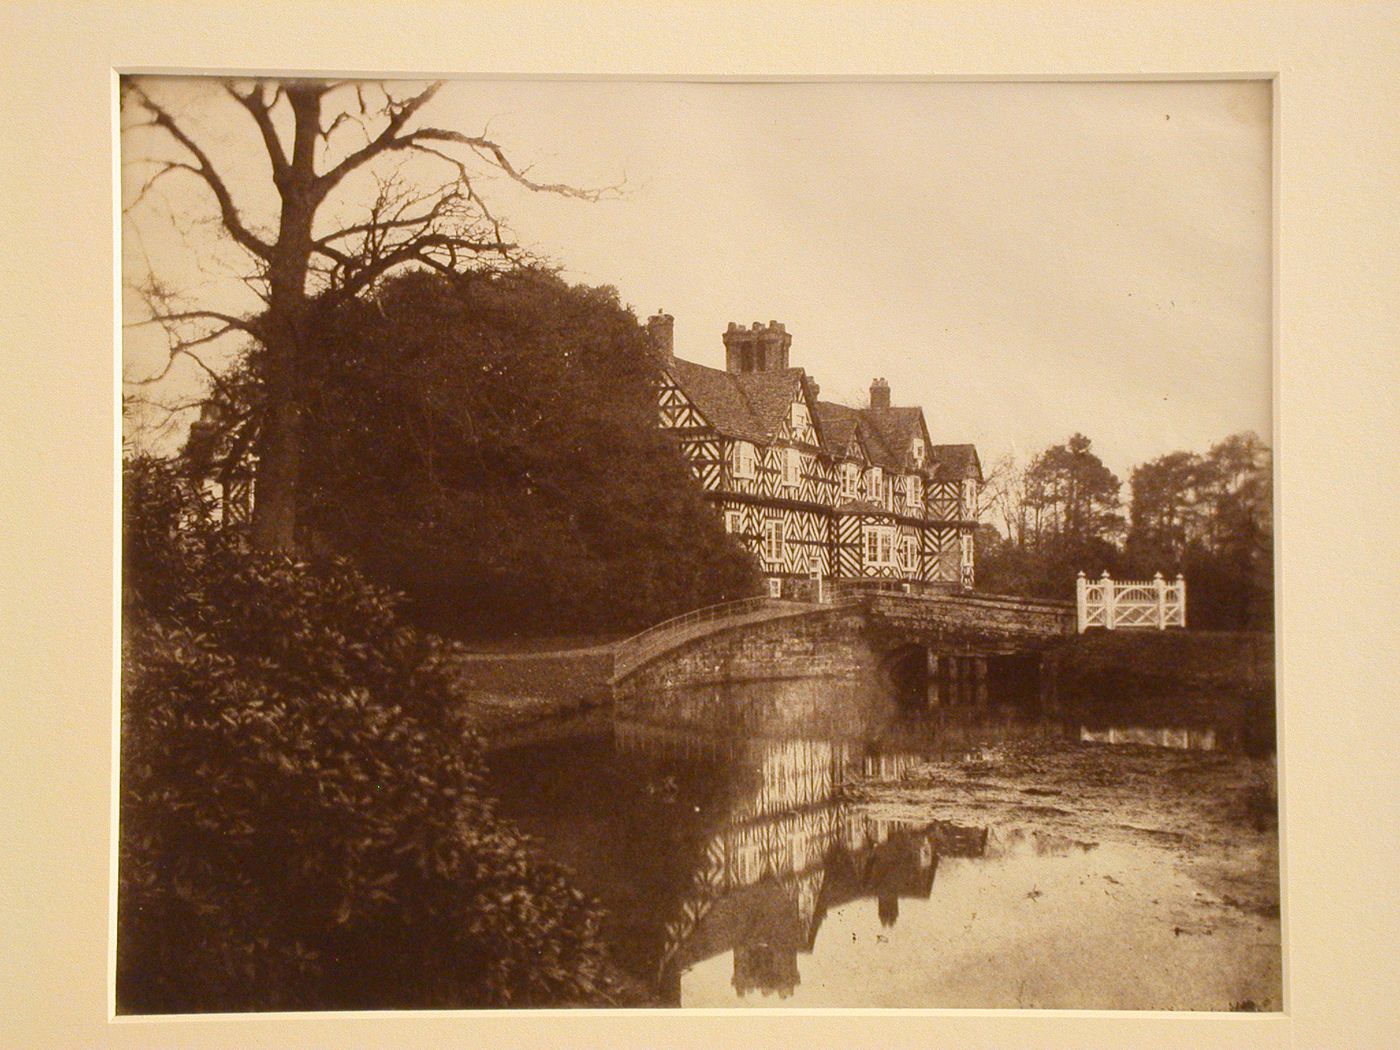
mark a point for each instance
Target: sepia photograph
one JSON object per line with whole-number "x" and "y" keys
{"x": 673, "y": 543}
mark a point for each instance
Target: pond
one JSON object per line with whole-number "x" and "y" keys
{"x": 745, "y": 863}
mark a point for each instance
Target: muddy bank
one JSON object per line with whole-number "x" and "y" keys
{"x": 510, "y": 698}
{"x": 1183, "y": 842}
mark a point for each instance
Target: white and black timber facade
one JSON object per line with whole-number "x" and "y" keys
{"x": 815, "y": 490}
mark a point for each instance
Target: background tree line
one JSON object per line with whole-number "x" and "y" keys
{"x": 1208, "y": 516}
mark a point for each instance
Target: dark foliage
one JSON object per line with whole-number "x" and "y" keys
{"x": 490, "y": 448}
{"x": 1206, "y": 516}
{"x": 301, "y": 824}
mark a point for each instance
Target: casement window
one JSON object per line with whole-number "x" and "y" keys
{"x": 916, "y": 451}
{"x": 800, "y": 419}
{"x": 969, "y": 497}
{"x": 875, "y": 485}
{"x": 792, "y": 468}
{"x": 732, "y": 522}
{"x": 965, "y": 542}
{"x": 743, "y": 460}
{"x": 914, "y": 491}
{"x": 879, "y": 545}
{"x": 774, "y": 541}
{"x": 850, "y": 481}
{"x": 909, "y": 554}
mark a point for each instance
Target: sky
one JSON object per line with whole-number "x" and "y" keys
{"x": 1024, "y": 260}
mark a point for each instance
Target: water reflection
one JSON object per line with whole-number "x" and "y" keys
{"x": 702, "y": 841}
{"x": 717, "y": 828}
{"x": 786, "y": 850}
{"x": 1152, "y": 736}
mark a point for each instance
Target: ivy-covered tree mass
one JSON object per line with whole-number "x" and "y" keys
{"x": 489, "y": 447}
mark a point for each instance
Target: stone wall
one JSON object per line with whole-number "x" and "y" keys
{"x": 975, "y": 623}
{"x": 825, "y": 643}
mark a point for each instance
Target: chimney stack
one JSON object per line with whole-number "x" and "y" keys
{"x": 756, "y": 349}
{"x": 661, "y": 328}
{"x": 879, "y": 394}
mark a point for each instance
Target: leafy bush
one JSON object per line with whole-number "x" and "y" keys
{"x": 301, "y": 823}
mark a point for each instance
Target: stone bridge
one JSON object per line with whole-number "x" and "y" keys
{"x": 925, "y": 649}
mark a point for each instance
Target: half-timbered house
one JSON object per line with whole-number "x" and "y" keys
{"x": 818, "y": 491}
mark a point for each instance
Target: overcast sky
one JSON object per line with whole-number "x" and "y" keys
{"x": 1023, "y": 260}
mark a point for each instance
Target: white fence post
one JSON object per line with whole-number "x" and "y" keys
{"x": 1109, "y": 595}
{"x": 1081, "y": 600}
{"x": 1181, "y": 598}
{"x": 1161, "y": 601}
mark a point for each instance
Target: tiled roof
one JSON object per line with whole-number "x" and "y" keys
{"x": 719, "y": 399}
{"x": 769, "y": 395}
{"x": 897, "y": 427}
{"x": 956, "y": 461}
{"x": 838, "y": 424}
{"x": 752, "y": 406}
{"x": 838, "y": 420}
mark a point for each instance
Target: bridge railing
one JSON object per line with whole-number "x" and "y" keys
{"x": 633, "y": 651}
{"x": 1114, "y": 605}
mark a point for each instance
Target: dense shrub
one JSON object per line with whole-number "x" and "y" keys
{"x": 301, "y": 823}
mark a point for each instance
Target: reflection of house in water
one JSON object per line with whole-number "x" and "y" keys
{"x": 787, "y": 851}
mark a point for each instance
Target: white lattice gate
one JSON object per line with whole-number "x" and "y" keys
{"x": 1117, "y": 605}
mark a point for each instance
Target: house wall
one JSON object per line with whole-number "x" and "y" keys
{"x": 819, "y": 536}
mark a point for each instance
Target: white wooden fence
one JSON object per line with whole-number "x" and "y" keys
{"x": 1123, "y": 604}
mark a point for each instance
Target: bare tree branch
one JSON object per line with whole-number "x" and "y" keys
{"x": 256, "y": 103}
{"x": 228, "y": 211}
{"x": 399, "y": 114}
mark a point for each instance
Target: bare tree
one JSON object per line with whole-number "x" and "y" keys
{"x": 320, "y": 138}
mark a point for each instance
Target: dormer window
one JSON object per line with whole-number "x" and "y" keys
{"x": 850, "y": 481}
{"x": 875, "y": 485}
{"x": 800, "y": 419}
{"x": 916, "y": 451}
{"x": 744, "y": 461}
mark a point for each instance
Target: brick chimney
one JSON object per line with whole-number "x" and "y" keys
{"x": 756, "y": 349}
{"x": 879, "y": 394}
{"x": 661, "y": 329}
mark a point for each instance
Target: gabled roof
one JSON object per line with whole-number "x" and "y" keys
{"x": 897, "y": 427}
{"x": 718, "y": 398}
{"x": 752, "y": 406}
{"x": 956, "y": 461}
{"x": 838, "y": 421}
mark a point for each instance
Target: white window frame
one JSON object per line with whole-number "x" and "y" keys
{"x": 744, "y": 460}
{"x": 801, "y": 419}
{"x": 909, "y": 553}
{"x": 774, "y": 528}
{"x": 877, "y": 545}
{"x": 875, "y": 485}
{"x": 913, "y": 491}
{"x": 917, "y": 451}
{"x": 850, "y": 480}
{"x": 792, "y": 468}
{"x": 969, "y": 497}
{"x": 733, "y": 522}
